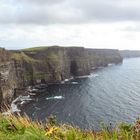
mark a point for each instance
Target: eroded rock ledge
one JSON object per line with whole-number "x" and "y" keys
{"x": 49, "y": 65}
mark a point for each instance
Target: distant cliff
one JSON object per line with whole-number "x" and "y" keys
{"x": 103, "y": 57}
{"x": 129, "y": 54}
{"x": 50, "y": 65}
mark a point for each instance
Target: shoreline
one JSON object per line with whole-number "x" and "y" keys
{"x": 29, "y": 93}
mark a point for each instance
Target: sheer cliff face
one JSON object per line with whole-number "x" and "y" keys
{"x": 4, "y": 72}
{"x": 54, "y": 64}
{"x": 129, "y": 54}
{"x": 50, "y": 64}
{"x": 102, "y": 57}
{"x": 0, "y": 92}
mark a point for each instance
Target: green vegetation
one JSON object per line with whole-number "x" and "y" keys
{"x": 22, "y": 128}
{"x": 40, "y": 48}
{"x": 40, "y": 75}
{"x": 23, "y": 56}
{"x": 35, "y": 49}
{"x": 38, "y": 68}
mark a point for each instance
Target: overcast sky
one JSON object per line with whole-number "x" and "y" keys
{"x": 89, "y": 23}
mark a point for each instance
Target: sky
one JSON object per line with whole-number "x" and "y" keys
{"x": 111, "y": 24}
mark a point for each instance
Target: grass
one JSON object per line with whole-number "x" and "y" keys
{"x": 23, "y": 56}
{"x": 40, "y": 48}
{"x": 23, "y": 128}
{"x": 35, "y": 49}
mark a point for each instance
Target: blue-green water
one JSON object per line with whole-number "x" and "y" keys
{"x": 111, "y": 94}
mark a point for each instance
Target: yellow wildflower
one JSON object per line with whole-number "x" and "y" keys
{"x": 51, "y": 131}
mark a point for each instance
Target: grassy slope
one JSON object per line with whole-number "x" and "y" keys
{"x": 35, "y": 49}
{"x": 22, "y": 56}
{"x": 22, "y": 128}
{"x": 40, "y": 48}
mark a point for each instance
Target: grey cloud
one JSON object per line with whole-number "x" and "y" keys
{"x": 70, "y": 11}
{"x": 48, "y": 15}
{"x": 110, "y": 10}
{"x": 40, "y": 2}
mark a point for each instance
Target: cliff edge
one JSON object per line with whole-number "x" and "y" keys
{"x": 54, "y": 64}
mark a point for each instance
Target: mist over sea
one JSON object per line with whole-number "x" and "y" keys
{"x": 110, "y": 94}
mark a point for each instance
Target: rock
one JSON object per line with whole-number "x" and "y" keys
{"x": 103, "y": 57}
{"x": 55, "y": 64}
{"x": 49, "y": 65}
{"x": 1, "y": 97}
{"x": 129, "y": 54}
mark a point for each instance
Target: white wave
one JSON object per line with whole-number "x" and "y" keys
{"x": 74, "y": 83}
{"x": 32, "y": 94}
{"x": 14, "y": 105}
{"x": 111, "y": 64}
{"x": 14, "y": 108}
{"x": 66, "y": 80}
{"x": 93, "y": 75}
{"x": 32, "y": 90}
{"x": 88, "y": 76}
{"x": 21, "y": 100}
{"x": 85, "y": 76}
{"x": 55, "y": 97}
{"x": 25, "y": 98}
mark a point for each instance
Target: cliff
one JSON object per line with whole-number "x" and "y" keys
{"x": 49, "y": 65}
{"x": 129, "y": 54}
{"x": 103, "y": 57}
{"x": 55, "y": 64}
{"x": 5, "y": 85}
